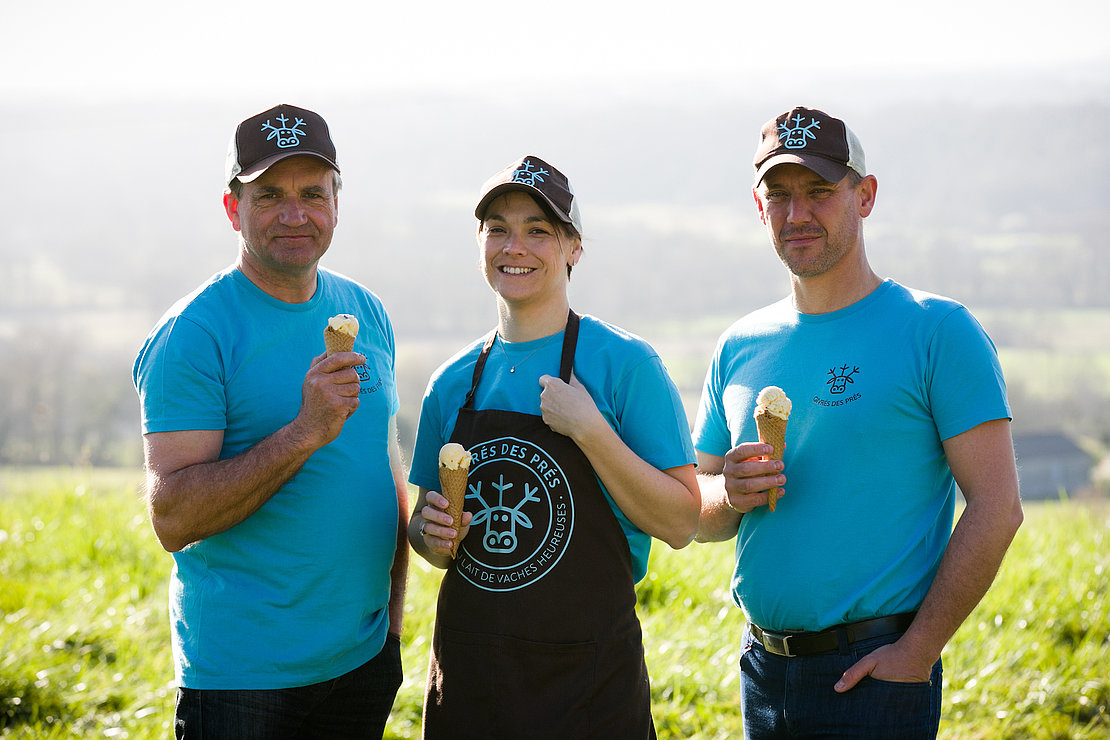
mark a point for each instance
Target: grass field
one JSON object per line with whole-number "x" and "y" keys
{"x": 84, "y": 646}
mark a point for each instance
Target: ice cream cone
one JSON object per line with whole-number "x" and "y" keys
{"x": 337, "y": 341}
{"x": 771, "y": 414}
{"x": 772, "y": 431}
{"x": 452, "y": 484}
{"x": 454, "y": 466}
{"x": 340, "y": 333}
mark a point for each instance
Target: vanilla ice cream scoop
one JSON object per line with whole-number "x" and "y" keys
{"x": 453, "y": 456}
{"x": 344, "y": 323}
{"x": 772, "y": 400}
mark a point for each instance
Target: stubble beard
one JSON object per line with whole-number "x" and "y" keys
{"x": 810, "y": 264}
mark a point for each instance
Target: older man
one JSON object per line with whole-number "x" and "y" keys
{"x": 855, "y": 582}
{"x": 273, "y": 471}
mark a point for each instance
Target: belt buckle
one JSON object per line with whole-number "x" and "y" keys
{"x": 781, "y": 642}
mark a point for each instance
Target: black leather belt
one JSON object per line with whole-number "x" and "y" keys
{"x": 793, "y": 644}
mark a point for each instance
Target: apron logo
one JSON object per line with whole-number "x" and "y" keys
{"x": 501, "y": 520}
{"x": 523, "y": 515}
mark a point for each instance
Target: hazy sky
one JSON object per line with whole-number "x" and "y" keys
{"x": 136, "y": 48}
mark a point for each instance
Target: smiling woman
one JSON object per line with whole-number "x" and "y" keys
{"x": 527, "y": 257}
{"x": 588, "y": 451}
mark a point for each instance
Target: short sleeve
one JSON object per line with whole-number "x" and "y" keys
{"x": 966, "y": 385}
{"x": 652, "y": 419}
{"x": 711, "y": 433}
{"x": 179, "y": 378}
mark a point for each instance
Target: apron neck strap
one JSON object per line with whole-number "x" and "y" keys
{"x": 570, "y": 342}
{"x": 566, "y": 363}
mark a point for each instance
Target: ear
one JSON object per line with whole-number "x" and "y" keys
{"x": 231, "y": 208}
{"x": 868, "y": 187}
{"x": 759, "y": 205}
{"x": 575, "y": 253}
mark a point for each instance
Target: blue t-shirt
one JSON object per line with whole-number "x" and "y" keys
{"x": 298, "y": 592}
{"x": 623, "y": 374}
{"x": 869, "y": 495}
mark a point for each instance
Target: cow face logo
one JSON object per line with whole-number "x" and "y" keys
{"x": 529, "y": 174}
{"x": 523, "y": 515}
{"x": 501, "y": 521}
{"x": 287, "y": 135}
{"x": 840, "y": 378}
{"x": 794, "y": 135}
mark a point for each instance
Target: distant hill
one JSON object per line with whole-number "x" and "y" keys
{"x": 986, "y": 194}
{"x": 116, "y": 208}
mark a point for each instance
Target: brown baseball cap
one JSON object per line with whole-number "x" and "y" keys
{"x": 813, "y": 139}
{"x": 536, "y": 177}
{"x": 272, "y": 135}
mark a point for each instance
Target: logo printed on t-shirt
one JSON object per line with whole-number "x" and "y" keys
{"x": 839, "y": 378}
{"x": 523, "y": 515}
{"x": 364, "y": 377}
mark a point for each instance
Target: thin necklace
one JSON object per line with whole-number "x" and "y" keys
{"x": 512, "y": 367}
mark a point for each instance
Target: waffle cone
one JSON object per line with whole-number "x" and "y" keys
{"x": 772, "y": 431}
{"x": 452, "y": 482}
{"x": 337, "y": 341}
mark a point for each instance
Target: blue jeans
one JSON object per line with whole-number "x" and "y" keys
{"x": 794, "y": 697}
{"x": 355, "y": 705}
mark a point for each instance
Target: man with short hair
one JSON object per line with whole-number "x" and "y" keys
{"x": 273, "y": 469}
{"x": 856, "y": 580}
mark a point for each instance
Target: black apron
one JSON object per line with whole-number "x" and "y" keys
{"x": 536, "y": 632}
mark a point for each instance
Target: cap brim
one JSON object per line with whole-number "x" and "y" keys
{"x": 261, "y": 166}
{"x": 826, "y": 168}
{"x": 498, "y": 190}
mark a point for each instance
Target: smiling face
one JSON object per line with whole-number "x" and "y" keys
{"x": 813, "y": 223}
{"x": 285, "y": 218}
{"x": 525, "y": 253}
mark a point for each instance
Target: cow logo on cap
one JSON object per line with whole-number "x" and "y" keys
{"x": 287, "y": 136}
{"x": 796, "y": 136}
{"x": 525, "y": 175}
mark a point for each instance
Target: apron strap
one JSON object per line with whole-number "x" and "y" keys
{"x": 478, "y": 367}
{"x": 570, "y": 342}
{"x": 566, "y": 364}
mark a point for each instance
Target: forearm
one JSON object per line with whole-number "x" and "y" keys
{"x": 663, "y": 504}
{"x": 206, "y": 498}
{"x": 399, "y": 573}
{"x": 718, "y": 521}
{"x": 982, "y": 462}
{"x": 967, "y": 569}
